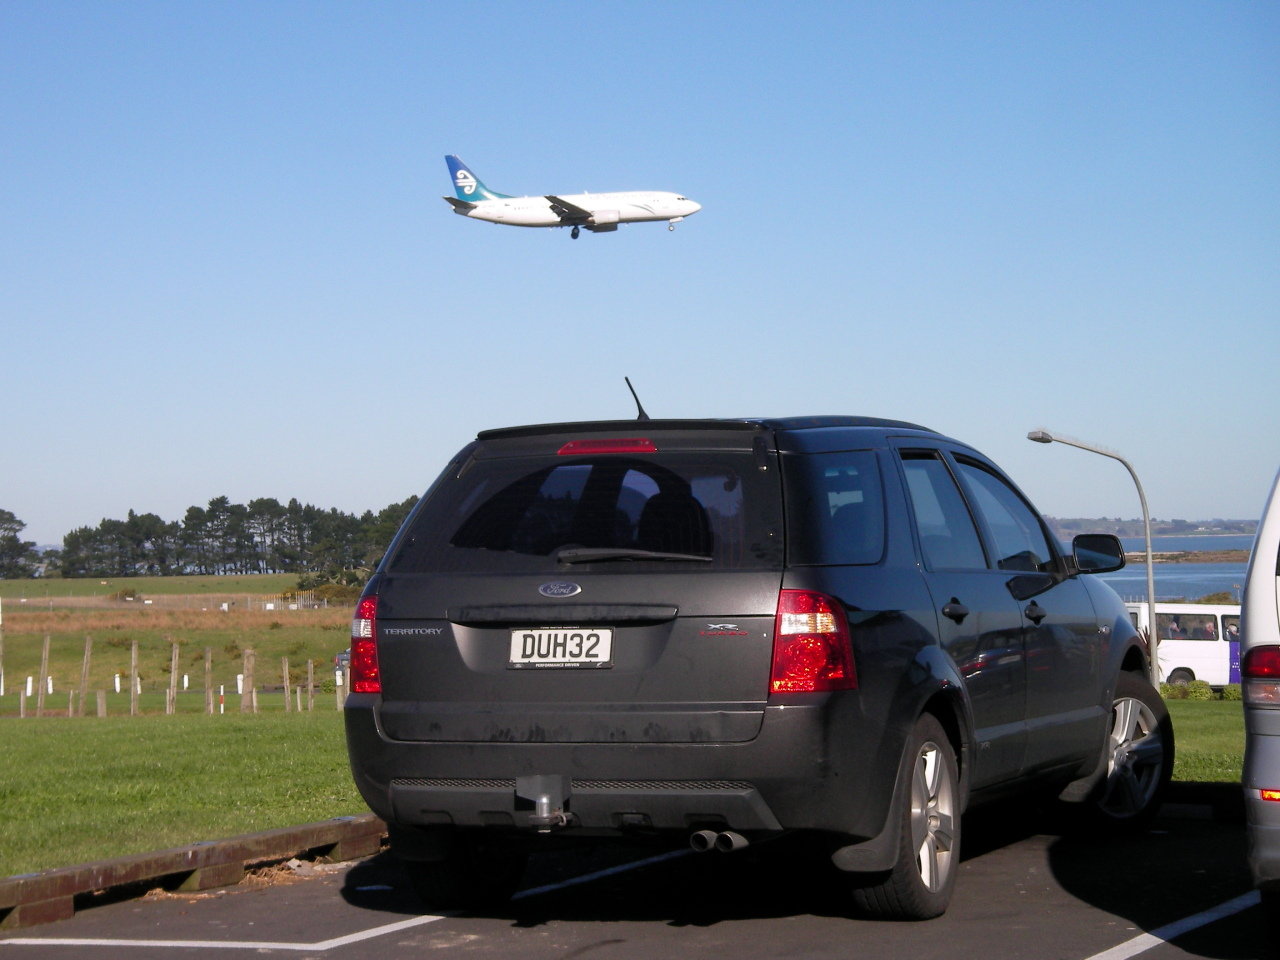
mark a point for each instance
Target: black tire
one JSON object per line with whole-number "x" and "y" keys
{"x": 1139, "y": 759}
{"x": 919, "y": 885}
{"x": 1181, "y": 676}
{"x": 473, "y": 873}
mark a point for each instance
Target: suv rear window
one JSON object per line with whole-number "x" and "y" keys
{"x": 519, "y": 514}
{"x": 835, "y": 508}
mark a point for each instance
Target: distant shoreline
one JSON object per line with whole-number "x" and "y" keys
{"x": 1188, "y": 556}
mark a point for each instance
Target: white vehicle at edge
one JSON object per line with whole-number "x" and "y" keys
{"x": 597, "y": 212}
{"x": 1260, "y": 667}
{"x": 1197, "y": 641}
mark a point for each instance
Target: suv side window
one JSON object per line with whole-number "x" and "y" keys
{"x": 1019, "y": 538}
{"x": 948, "y": 537}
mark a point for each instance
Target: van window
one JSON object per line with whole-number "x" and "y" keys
{"x": 1187, "y": 626}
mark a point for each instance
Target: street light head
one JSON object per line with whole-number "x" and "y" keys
{"x": 1041, "y": 436}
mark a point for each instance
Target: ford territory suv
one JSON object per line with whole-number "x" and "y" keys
{"x": 722, "y": 631}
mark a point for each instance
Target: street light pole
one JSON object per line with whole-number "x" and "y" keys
{"x": 1044, "y": 436}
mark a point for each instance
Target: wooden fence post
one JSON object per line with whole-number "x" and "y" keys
{"x": 288, "y": 694}
{"x": 22, "y": 702}
{"x": 248, "y": 698}
{"x": 311, "y": 685}
{"x": 44, "y": 673}
{"x": 208, "y": 680}
{"x": 171, "y": 701}
{"x": 84, "y": 673}
{"x": 133, "y": 679}
{"x": 102, "y": 703}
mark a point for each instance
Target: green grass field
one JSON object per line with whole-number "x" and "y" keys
{"x": 1209, "y": 735}
{"x": 79, "y": 790}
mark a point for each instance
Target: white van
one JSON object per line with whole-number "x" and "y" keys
{"x": 1261, "y": 694}
{"x": 1198, "y": 641}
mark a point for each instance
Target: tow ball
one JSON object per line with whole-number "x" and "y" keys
{"x": 550, "y": 795}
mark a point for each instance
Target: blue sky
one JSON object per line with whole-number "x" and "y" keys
{"x": 227, "y": 270}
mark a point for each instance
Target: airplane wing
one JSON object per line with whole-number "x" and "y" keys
{"x": 462, "y": 206}
{"x": 568, "y": 212}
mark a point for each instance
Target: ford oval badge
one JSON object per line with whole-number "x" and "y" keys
{"x": 561, "y": 589}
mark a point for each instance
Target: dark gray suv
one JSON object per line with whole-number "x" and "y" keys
{"x": 732, "y": 630}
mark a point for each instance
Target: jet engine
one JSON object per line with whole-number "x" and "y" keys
{"x": 604, "y": 216}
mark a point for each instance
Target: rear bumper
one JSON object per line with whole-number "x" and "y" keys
{"x": 793, "y": 775}
{"x": 1262, "y": 771}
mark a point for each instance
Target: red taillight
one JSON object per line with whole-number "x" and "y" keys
{"x": 1269, "y": 794}
{"x": 365, "y": 677}
{"x": 812, "y": 650}
{"x": 618, "y": 445}
{"x": 1260, "y": 673}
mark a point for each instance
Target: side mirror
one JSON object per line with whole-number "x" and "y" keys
{"x": 1097, "y": 553}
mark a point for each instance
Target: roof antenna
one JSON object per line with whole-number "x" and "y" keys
{"x": 641, "y": 414}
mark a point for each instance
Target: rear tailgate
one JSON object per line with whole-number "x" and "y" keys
{"x": 575, "y": 588}
{"x": 685, "y": 662}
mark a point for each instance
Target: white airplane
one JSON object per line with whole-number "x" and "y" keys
{"x": 598, "y": 212}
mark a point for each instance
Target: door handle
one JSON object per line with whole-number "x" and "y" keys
{"x": 1035, "y": 613}
{"x": 955, "y": 610}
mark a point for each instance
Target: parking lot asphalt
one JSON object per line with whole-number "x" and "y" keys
{"x": 1026, "y": 890}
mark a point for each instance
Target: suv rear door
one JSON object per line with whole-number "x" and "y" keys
{"x": 574, "y": 587}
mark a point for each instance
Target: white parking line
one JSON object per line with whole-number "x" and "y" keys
{"x": 1171, "y": 931}
{"x": 323, "y": 945}
{"x": 319, "y": 946}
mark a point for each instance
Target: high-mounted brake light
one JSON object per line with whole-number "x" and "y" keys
{"x": 812, "y": 649}
{"x": 1260, "y": 673}
{"x": 365, "y": 677}
{"x": 616, "y": 445}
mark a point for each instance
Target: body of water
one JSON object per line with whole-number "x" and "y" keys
{"x": 1226, "y": 541}
{"x": 1176, "y": 581}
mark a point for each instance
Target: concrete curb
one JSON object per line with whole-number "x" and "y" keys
{"x": 50, "y": 895}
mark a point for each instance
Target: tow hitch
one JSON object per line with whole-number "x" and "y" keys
{"x": 550, "y": 795}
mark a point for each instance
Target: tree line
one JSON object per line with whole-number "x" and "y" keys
{"x": 262, "y": 536}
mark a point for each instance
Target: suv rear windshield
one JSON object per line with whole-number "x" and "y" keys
{"x": 529, "y": 514}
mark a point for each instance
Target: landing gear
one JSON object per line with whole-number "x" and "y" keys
{"x": 671, "y": 224}
{"x": 574, "y": 233}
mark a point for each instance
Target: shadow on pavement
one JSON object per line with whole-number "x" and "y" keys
{"x": 1190, "y": 860}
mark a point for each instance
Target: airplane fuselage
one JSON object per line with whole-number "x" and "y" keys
{"x": 606, "y": 209}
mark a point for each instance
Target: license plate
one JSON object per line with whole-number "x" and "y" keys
{"x": 562, "y": 647}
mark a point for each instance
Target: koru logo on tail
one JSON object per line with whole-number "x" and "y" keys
{"x": 466, "y": 182}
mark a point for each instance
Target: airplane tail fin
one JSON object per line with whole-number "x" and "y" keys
{"x": 467, "y": 185}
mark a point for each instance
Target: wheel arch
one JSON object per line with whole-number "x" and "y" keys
{"x": 950, "y": 709}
